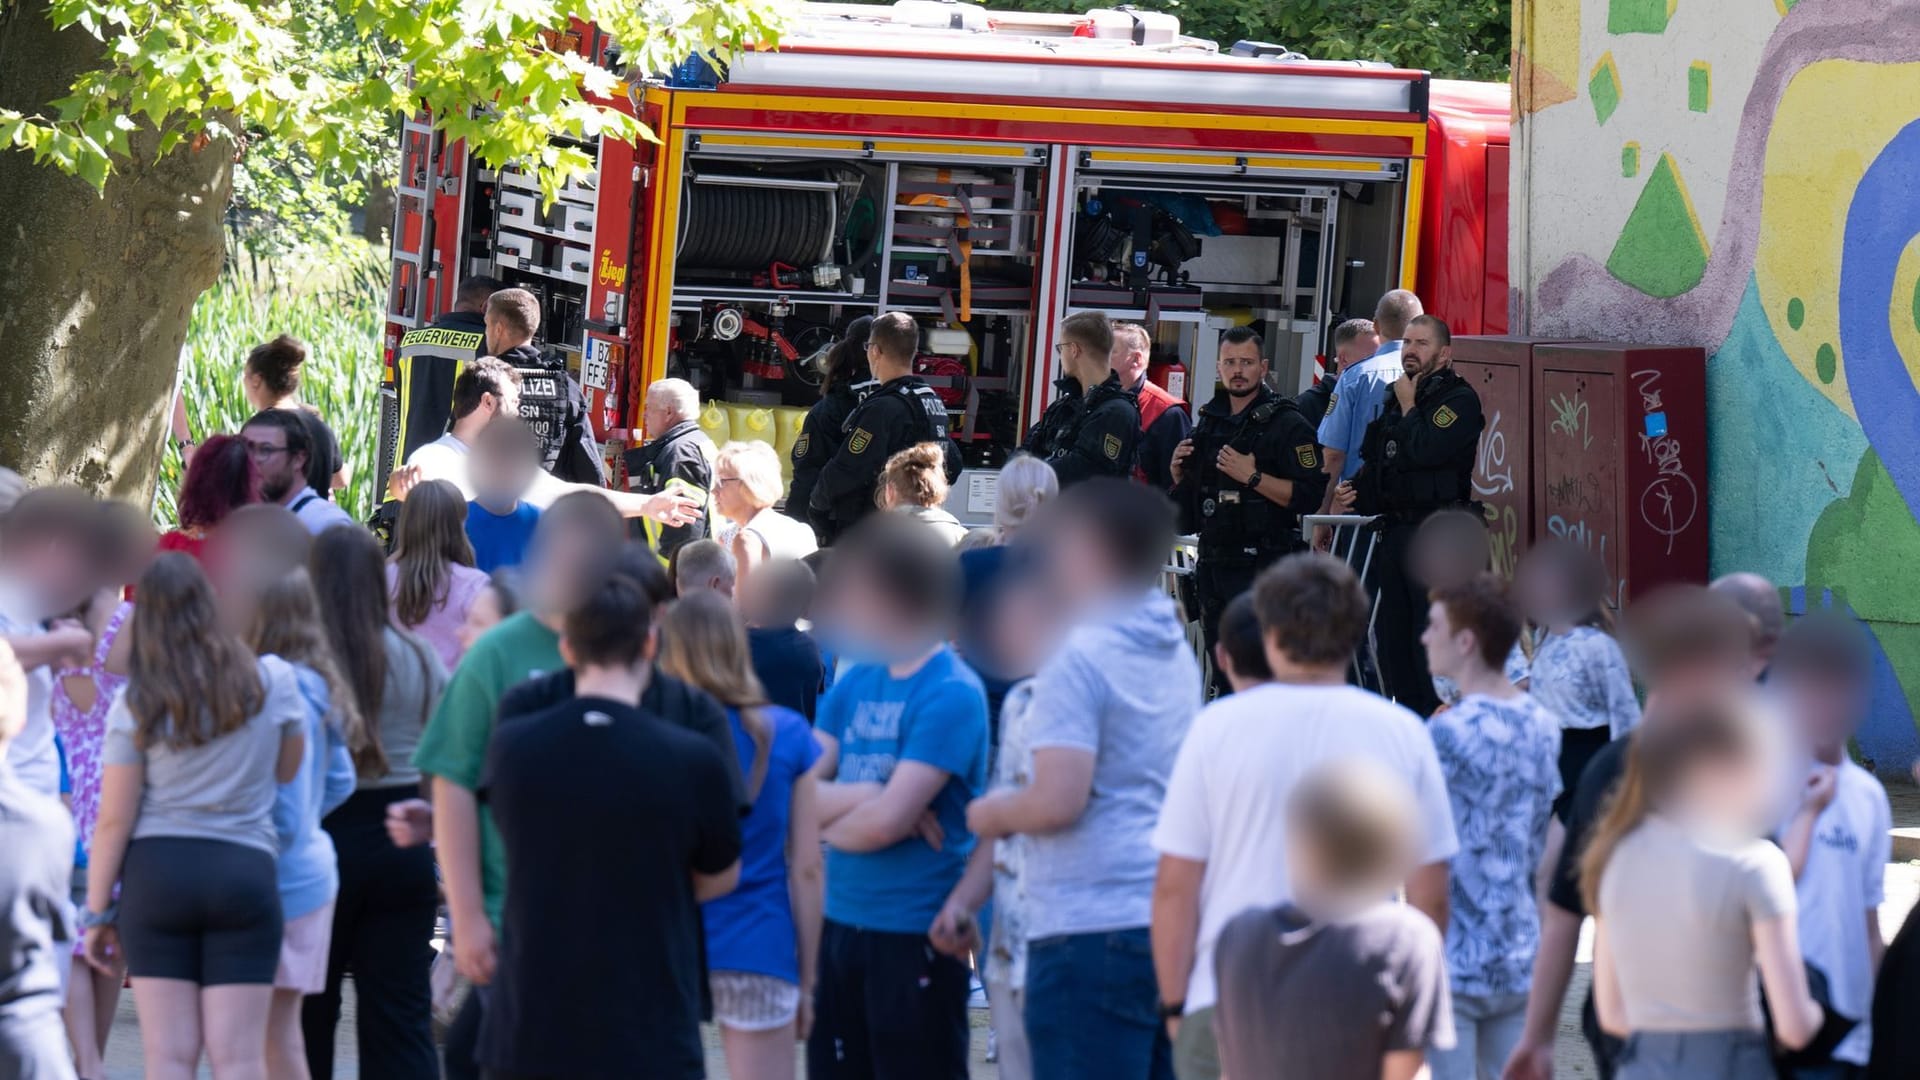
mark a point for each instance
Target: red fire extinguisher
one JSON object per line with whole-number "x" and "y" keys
{"x": 1169, "y": 375}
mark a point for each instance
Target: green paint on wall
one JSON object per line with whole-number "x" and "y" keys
{"x": 1865, "y": 546}
{"x": 1630, "y": 159}
{"x": 1699, "y": 86}
{"x": 1797, "y": 311}
{"x": 1603, "y": 86}
{"x": 1825, "y": 363}
{"x": 1639, "y": 16}
{"x": 1662, "y": 250}
{"x": 1916, "y": 305}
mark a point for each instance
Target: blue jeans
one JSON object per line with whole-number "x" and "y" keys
{"x": 1091, "y": 1008}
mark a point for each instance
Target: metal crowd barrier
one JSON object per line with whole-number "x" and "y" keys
{"x": 1178, "y": 581}
{"x": 1353, "y": 543}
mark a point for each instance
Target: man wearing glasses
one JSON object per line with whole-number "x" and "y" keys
{"x": 281, "y": 445}
{"x": 1093, "y": 427}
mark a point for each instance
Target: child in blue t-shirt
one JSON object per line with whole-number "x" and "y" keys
{"x": 500, "y": 540}
{"x": 786, "y": 659}
{"x": 905, "y": 738}
{"x": 501, "y": 467}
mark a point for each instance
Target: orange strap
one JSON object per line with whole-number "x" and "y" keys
{"x": 966, "y": 272}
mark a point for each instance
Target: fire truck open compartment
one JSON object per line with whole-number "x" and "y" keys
{"x": 782, "y": 243}
{"x": 989, "y": 173}
{"x": 1187, "y": 245}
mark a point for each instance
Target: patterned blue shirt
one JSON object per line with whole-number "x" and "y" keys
{"x": 1501, "y": 762}
{"x": 1581, "y": 676}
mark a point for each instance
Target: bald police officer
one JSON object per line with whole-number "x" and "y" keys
{"x": 904, "y": 411}
{"x": 1418, "y": 459}
{"x": 1093, "y": 427}
{"x": 1250, "y": 469}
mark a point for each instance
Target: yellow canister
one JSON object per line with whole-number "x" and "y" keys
{"x": 716, "y": 423}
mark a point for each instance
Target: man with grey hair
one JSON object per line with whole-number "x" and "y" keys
{"x": 703, "y": 565}
{"x": 676, "y": 456}
{"x": 1361, "y": 394}
{"x": 1760, "y": 599}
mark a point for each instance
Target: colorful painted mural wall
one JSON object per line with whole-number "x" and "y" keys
{"x": 1744, "y": 175}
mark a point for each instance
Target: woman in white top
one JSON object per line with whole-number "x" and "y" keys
{"x": 746, "y": 484}
{"x": 1689, "y": 898}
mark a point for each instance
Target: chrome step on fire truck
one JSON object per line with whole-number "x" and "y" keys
{"x": 988, "y": 172}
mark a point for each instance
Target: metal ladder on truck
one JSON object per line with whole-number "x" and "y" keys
{"x": 415, "y": 272}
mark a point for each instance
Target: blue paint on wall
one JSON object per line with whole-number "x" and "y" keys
{"x": 1887, "y": 735}
{"x": 1882, "y": 219}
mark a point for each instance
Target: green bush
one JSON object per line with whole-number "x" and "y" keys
{"x": 341, "y": 326}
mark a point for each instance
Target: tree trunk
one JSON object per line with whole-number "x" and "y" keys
{"x": 95, "y": 291}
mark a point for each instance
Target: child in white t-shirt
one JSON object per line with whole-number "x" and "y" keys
{"x": 1838, "y": 840}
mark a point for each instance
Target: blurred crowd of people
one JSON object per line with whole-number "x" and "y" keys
{"x": 813, "y": 794}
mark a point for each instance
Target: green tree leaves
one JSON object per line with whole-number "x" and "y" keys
{"x": 1456, "y": 39}
{"x": 311, "y": 90}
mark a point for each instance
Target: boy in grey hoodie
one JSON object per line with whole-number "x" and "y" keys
{"x": 1109, "y": 711}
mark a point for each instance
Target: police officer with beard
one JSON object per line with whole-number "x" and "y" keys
{"x": 1419, "y": 458}
{"x": 1242, "y": 480}
{"x": 904, "y": 411}
{"x": 1093, "y": 427}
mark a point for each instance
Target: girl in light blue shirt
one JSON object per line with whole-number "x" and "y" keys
{"x": 287, "y": 623}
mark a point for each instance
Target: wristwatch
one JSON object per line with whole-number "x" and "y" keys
{"x": 1254, "y": 480}
{"x": 1171, "y": 1010}
{"x": 89, "y": 920}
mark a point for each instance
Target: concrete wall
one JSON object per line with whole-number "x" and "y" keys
{"x": 1744, "y": 175}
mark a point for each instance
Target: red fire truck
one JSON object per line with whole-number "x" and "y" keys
{"x": 988, "y": 172}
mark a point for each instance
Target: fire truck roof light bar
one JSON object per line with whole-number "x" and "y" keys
{"x": 1055, "y": 80}
{"x": 725, "y": 180}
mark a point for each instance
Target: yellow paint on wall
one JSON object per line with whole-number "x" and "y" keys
{"x": 1813, "y": 164}
{"x": 1547, "y": 44}
{"x": 1903, "y": 309}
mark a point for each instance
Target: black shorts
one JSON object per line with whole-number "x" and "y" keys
{"x": 888, "y": 1007}
{"x": 202, "y": 911}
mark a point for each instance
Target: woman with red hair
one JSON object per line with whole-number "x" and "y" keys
{"x": 219, "y": 480}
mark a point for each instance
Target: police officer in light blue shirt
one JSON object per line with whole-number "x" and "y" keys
{"x": 1361, "y": 393}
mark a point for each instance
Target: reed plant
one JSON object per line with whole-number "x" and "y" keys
{"x": 341, "y": 323}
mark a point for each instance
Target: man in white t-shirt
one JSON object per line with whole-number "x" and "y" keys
{"x": 485, "y": 388}
{"x": 45, "y": 569}
{"x": 1221, "y": 838}
{"x": 1840, "y": 838}
{"x": 490, "y": 387}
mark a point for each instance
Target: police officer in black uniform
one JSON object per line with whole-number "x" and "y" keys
{"x": 845, "y": 383}
{"x": 903, "y": 412}
{"x": 567, "y": 447}
{"x": 1419, "y": 458}
{"x": 1242, "y": 480}
{"x": 1087, "y": 432}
